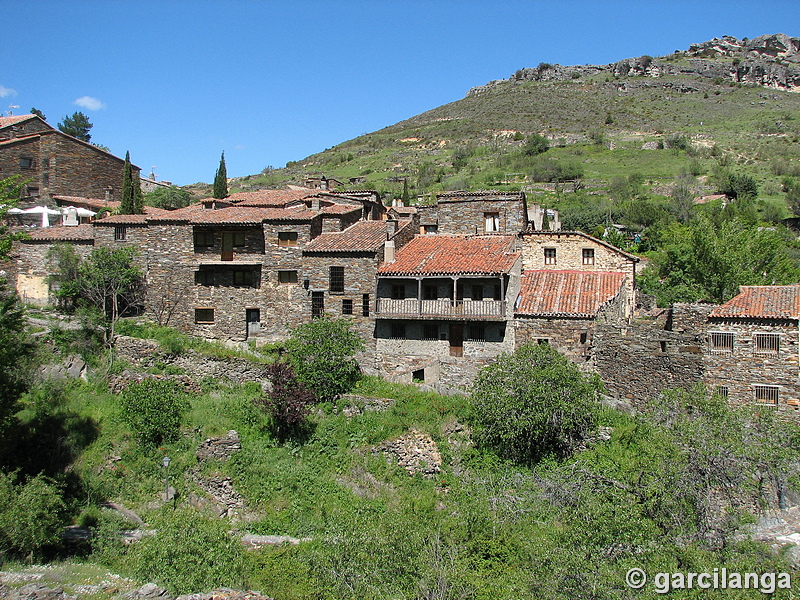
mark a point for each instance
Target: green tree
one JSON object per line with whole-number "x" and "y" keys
{"x": 154, "y": 409}
{"x": 17, "y": 353}
{"x": 321, "y": 354}
{"x": 38, "y": 113}
{"x": 535, "y": 145}
{"x": 31, "y": 514}
{"x": 168, "y": 198}
{"x": 704, "y": 262}
{"x": 221, "y": 180}
{"x": 10, "y": 189}
{"x": 77, "y": 126}
{"x": 126, "y": 206}
{"x": 533, "y": 404}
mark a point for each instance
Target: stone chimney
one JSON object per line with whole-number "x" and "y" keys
{"x": 391, "y": 227}
{"x": 536, "y": 216}
{"x": 555, "y": 221}
{"x": 388, "y": 251}
{"x": 315, "y": 203}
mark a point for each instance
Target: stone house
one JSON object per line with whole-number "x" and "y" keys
{"x": 54, "y": 163}
{"x": 443, "y": 305}
{"x": 473, "y": 213}
{"x": 751, "y": 353}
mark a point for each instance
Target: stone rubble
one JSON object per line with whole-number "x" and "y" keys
{"x": 416, "y": 452}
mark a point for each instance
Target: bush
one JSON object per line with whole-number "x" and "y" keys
{"x": 287, "y": 403}
{"x": 533, "y": 404}
{"x": 536, "y": 144}
{"x": 190, "y": 554}
{"x": 154, "y": 409}
{"x": 31, "y": 514}
{"x": 321, "y": 355}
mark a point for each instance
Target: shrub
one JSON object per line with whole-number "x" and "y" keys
{"x": 287, "y": 403}
{"x": 190, "y": 554}
{"x": 536, "y": 144}
{"x": 154, "y": 409}
{"x": 321, "y": 355}
{"x": 533, "y": 404}
{"x": 31, "y": 514}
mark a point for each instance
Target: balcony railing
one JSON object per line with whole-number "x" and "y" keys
{"x": 409, "y": 307}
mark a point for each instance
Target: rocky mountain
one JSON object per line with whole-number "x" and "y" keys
{"x": 769, "y": 60}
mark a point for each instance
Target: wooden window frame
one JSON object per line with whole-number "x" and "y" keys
{"x": 768, "y": 395}
{"x": 550, "y": 256}
{"x": 198, "y": 314}
{"x": 120, "y": 233}
{"x": 336, "y": 280}
{"x": 587, "y": 256}
{"x": 766, "y": 343}
{"x": 287, "y": 275}
{"x": 287, "y": 239}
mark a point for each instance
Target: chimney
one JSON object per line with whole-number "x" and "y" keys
{"x": 388, "y": 251}
{"x": 535, "y": 216}
{"x": 391, "y": 227}
{"x": 315, "y": 203}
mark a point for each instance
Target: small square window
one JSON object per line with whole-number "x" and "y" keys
{"x": 243, "y": 278}
{"x": 723, "y": 392}
{"x": 767, "y": 343}
{"x": 287, "y": 238}
{"x": 767, "y": 394}
{"x": 491, "y": 222}
{"x": 287, "y": 277}
{"x": 25, "y": 162}
{"x": 588, "y": 256}
{"x": 430, "y": 229}
{"x": 347, "y": 306}
{"x": 204, "y": 277}
{"x": 120, "y": 233}
{"x": 204, "y": 238}
{"x": 721, "y": 341}
{"x": 549, "y": 256}
{"x": 204, "y": 315}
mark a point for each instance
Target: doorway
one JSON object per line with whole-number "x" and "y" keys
{"x": 456, "y": 338}
{"x": 253, "y": 319}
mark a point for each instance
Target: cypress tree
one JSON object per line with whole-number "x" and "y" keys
{"x": 127, "y": 205}
{"x": 545, "y": 220}
{"x": 138, "y": 197}
{"x": 221, "y": 180}
{"x": 406, "y": 195}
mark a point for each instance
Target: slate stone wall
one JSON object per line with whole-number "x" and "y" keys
{"x": 466, "y": 214}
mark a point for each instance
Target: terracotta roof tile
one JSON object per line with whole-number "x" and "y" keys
{"x": 268, "y": 198}
{"x": 453, "y": 255}
{"x": 364, "y": 236}
{"x": 90, "y": 203}
{"x": 57, "y": 234}
{"x": 13, "y": 120}
{"x": 763, "y": 302}
{"x": 566, "y": 293}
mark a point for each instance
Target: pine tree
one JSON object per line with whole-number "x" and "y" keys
{"x": 127, "y": 205}
{"x": 77, "y": 125}
{"x": 38, "y": 113}
{"x": 221, "y": 180}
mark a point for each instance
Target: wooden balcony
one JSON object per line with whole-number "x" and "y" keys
{"x": 458, "y": 309}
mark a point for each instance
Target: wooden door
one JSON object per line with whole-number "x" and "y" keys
{"x": 456, "y": 338}
{"x": 227, "y": 246}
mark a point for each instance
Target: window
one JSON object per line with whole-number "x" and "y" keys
{"x": 45, "y": 163}
{"x": 588, "y": 256}
{"x": 243, "y": 278}
{"x": 287, "y": 277}
{"x": 204, "y": 277}
{"x": 767, "y": 394}
{"x": 204, "y": 315}
{"x": 398, "y": 331}
{"x": 347, "y": 306}
{"x": 429, "y": 292}
{"x": 476, "y": 333}
{"x": 767, "y": 343}
{"x": 721, "y": 341}
{"x": 543, "y": 341}
{"x": 365, "y": 305}
{"x": 492, "y": 222}
{"x": 336, "y": 279}
{"x": 549, "y": 256}
{"x": 317, "y": 304}
{"x": 430, "y": 229}
{"x": 238, "y": 238}
{"x": 722, "y": 391}
{"x": 287, "y": 238}
{"x": 398, "y": 292}
{"x": 120, "y": 233}
{"x": 25, "y": 162}
{"x": 204, "y": 238}
{"x": 430, "y": 331}
{"x": 46, "y": 179}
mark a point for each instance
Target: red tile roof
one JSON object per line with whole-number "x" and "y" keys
{"x": 364, "y": 236}
{"x": 58, "y": 234}
{"x": 268, "y": 198}
{"x": 453, "y": 255}
{"x": 566, "y": 293}
{"x": 13, "y": 120}
{"x": 90, "y": 203}
{"x": 762, "y": 302}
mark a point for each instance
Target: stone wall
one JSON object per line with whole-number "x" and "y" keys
{"x": 31, "y": 268}
{"x": 781, "y": 368}
{"x": 662, "y": 350}
{"x": 465, "y": 213}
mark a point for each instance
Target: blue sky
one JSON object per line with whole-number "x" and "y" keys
{"x": 176, "y": 82}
